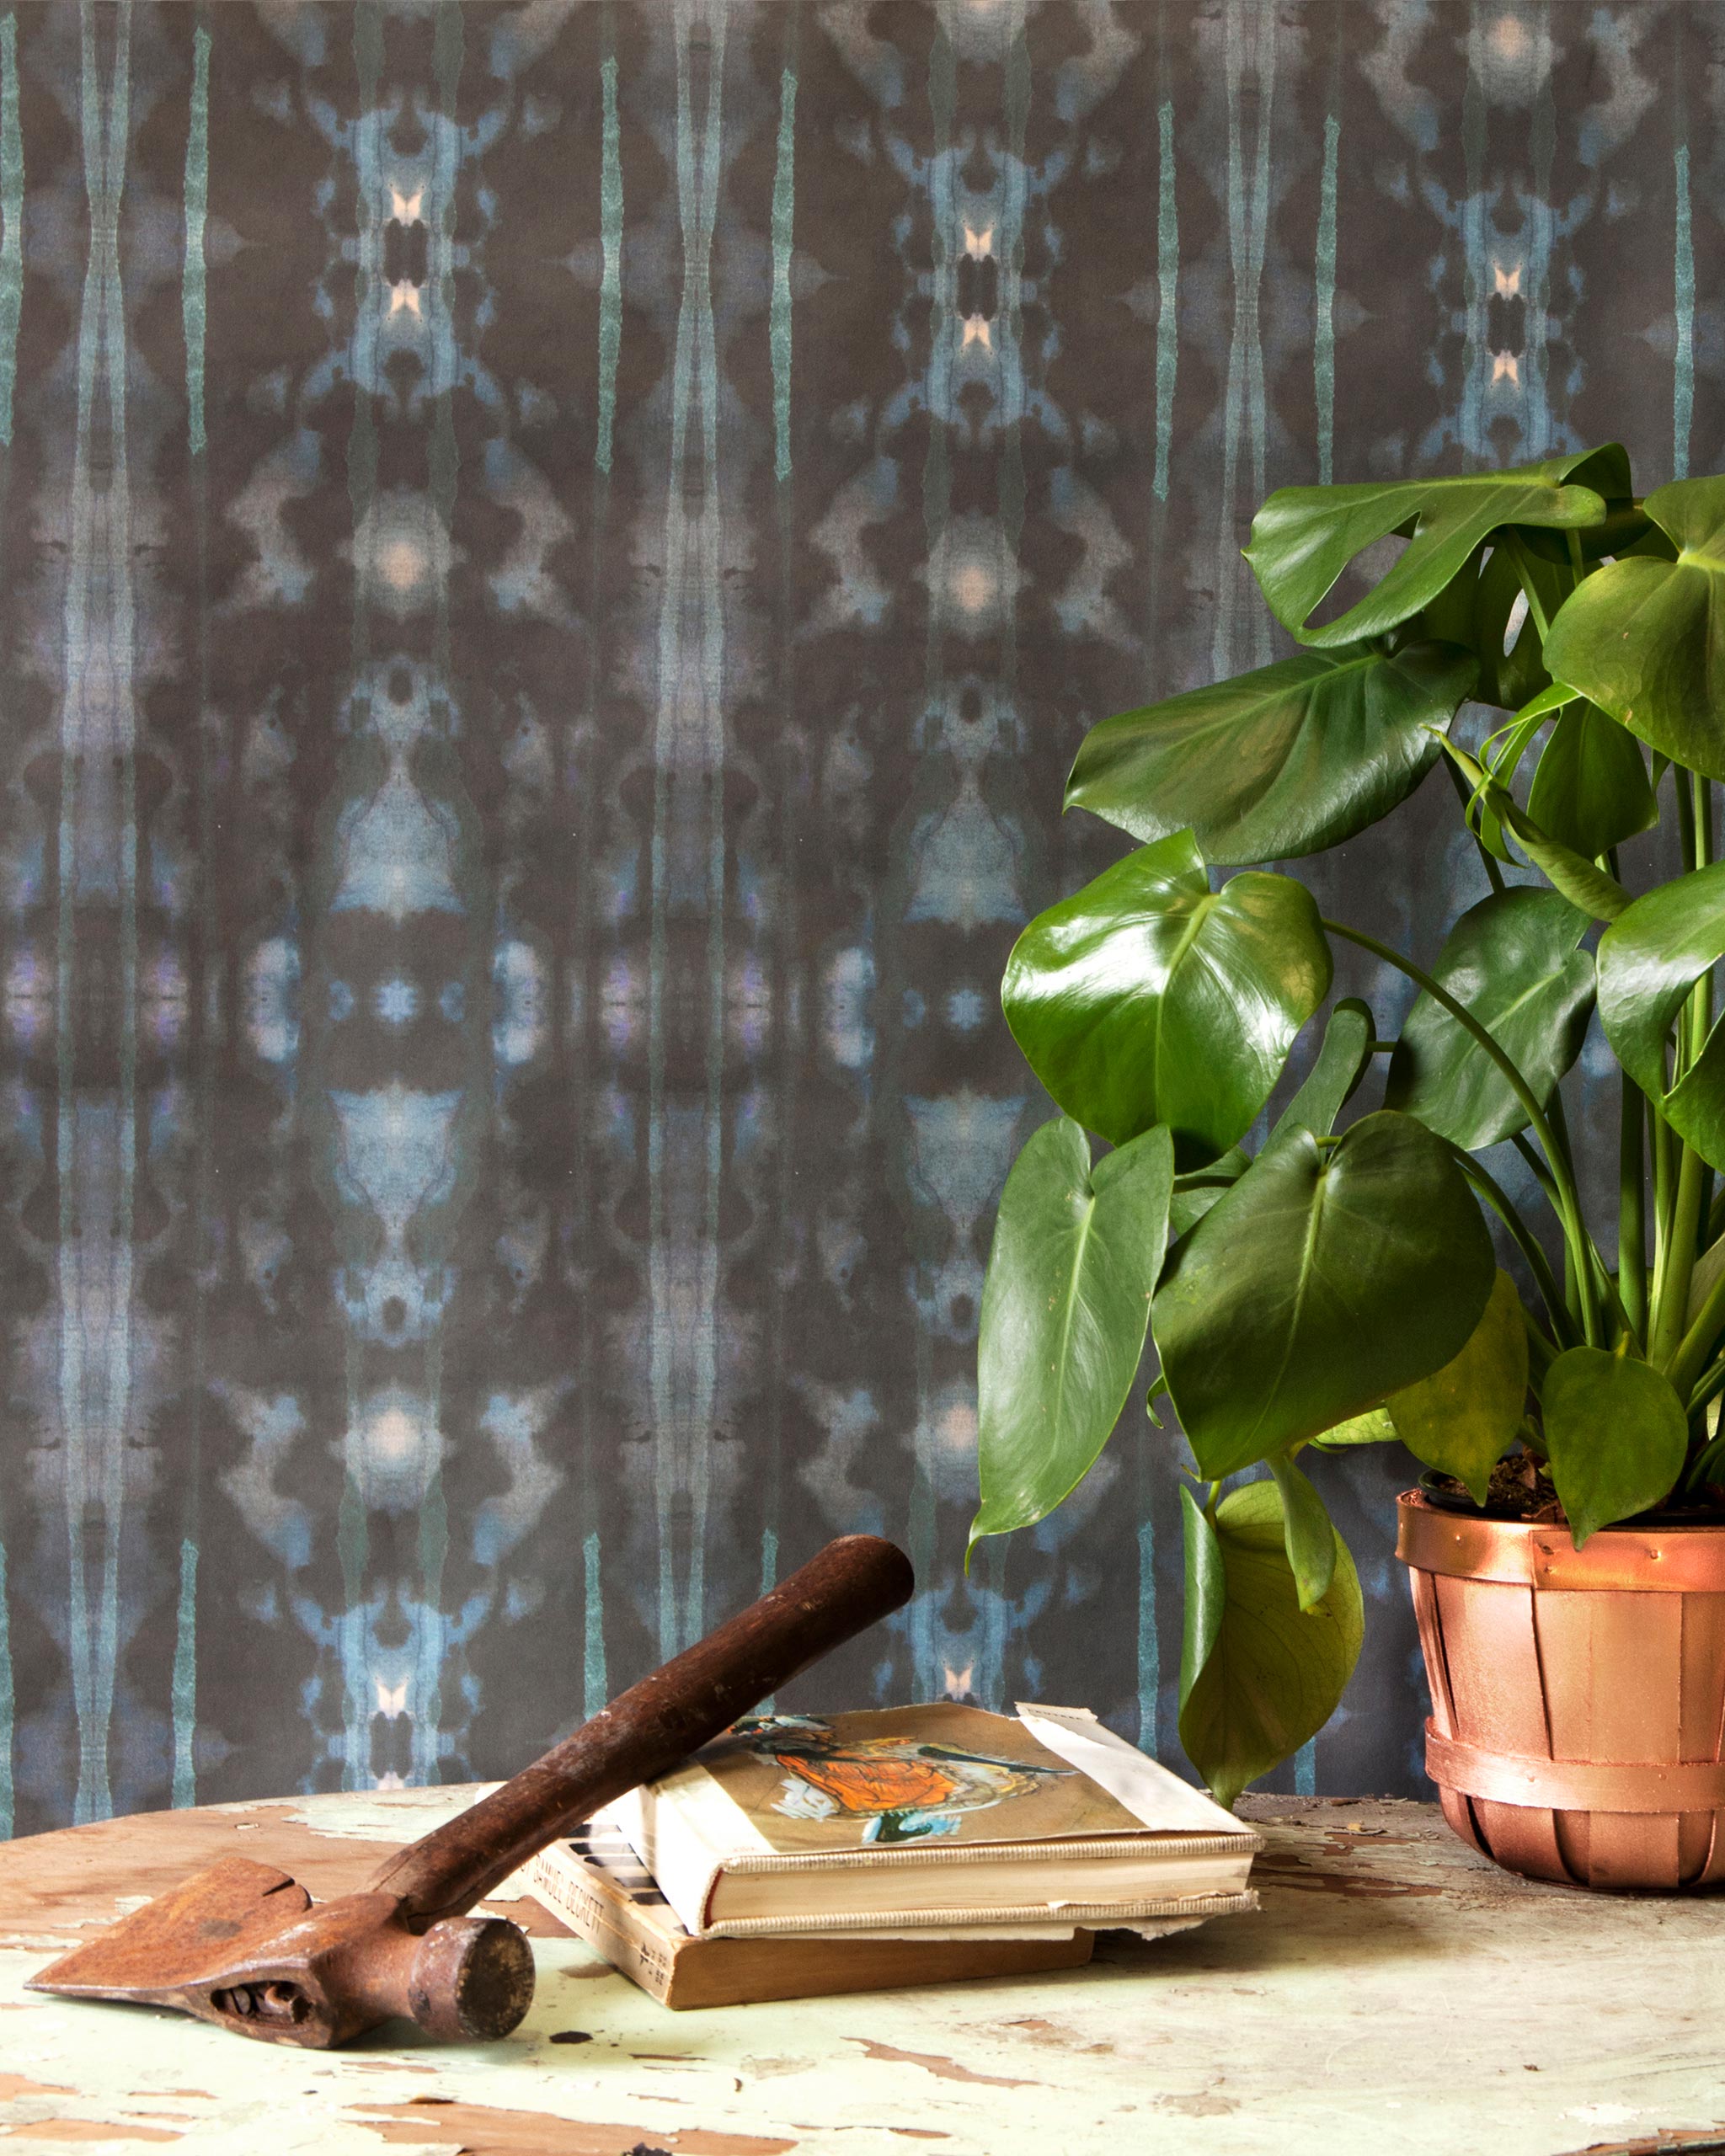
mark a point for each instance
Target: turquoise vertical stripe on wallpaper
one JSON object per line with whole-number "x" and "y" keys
{"x": 930, "y": 357}
{"x": 783, "y": 213}
{"x": 594, "y": 1688}
{"x": 443, "y": 469}
{"x": 710, "y": 661}
{"x": 197, "y": 195}
{"x": 122, "y": 1398}
{"x": 96, "y": 1134}
{"x": 1168, "y": 320}
{"x": 70, "y": 1371}
{"x": 1683, "y": 355}
{"x": 685, "y": 1134}
{"x": 610, "y": 241}
{"x": 185, "y": 1680}
{"x": 11, "y": 221}
{"x": 769, "y": 1580}
{"x": 1306, "y": 1768}
{"x": 1150, "y": 1660}
{"x": 353, "y": 1533}
{"x": 1249, "y": 49}
{"x": 1323, "y": 351}
{"x": 663, "y": 1372}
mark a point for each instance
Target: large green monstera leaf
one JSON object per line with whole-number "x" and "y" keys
{"x": 1304, "y": 537}
{"x": 1645, "y": 638}
{"x": 1513, "y": 962}
{"x": 1148, "y": 998}
{"x": 1326, "y": 1278}
{"x": 1076, "y": 1252}
{"x": 1650, "y": 958}
{"x": 1284, "y": 761}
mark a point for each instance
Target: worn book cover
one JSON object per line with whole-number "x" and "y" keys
{"x": 878, "y": 1780}
{"x": 931, "y": 1818}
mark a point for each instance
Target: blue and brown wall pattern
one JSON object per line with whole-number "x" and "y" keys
{"x": 554, "y": 558}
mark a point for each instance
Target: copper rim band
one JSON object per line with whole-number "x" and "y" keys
{"x": 1644, "y": 1559}
{"x": 1574, "y": 1785}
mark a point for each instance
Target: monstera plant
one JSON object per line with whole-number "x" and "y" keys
{"x": 1357, "y": 1271}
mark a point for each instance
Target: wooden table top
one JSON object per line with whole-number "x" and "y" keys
{"x": 1395, "y": 1994}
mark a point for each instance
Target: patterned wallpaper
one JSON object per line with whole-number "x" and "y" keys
{"x": 555, "y": 557}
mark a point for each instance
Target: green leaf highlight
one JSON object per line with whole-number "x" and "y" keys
{"x": 1513, "y": 962}
{"x": 1323, "y": 1281}
{"x": 1304, "y": 537}
{"x": 1645, "y": 638}
{"x": 1284, "y": 761}
{"x": 1147, "y": 998}
{"x": 1064, "y": 1307}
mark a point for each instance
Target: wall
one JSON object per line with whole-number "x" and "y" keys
{"x": 555, "y": 558}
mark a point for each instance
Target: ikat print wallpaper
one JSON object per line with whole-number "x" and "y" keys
{"x": 555, "y": 556}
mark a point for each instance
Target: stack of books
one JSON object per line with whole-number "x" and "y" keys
{"x": 797, "y": 1856}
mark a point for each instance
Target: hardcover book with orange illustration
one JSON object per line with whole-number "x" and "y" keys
{"x": 931, "y": 1819}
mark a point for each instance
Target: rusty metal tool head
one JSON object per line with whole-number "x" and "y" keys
{"x": 244, "y": 1945}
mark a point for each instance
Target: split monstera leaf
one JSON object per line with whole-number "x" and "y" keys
{"x": 1346, "y": 1271}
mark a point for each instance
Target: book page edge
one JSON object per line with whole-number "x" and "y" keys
{"x": 1075, "y": 1735}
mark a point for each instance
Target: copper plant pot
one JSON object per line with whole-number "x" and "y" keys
{"x": 1578, "y": 1696}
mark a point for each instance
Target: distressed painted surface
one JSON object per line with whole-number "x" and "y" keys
{"x": 556, "y": 557}
{"x": 1395, "y": 1991}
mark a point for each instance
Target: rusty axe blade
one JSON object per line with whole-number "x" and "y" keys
{"x": 244, "y": 1945}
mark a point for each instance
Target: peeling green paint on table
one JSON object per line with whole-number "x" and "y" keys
{"x": 1396, "y": 1993}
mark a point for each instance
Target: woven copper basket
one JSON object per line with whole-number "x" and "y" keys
{"x": 1578, "y": 1696}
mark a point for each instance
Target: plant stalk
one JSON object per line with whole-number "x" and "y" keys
{"x": 1632, "y": 1206}
{"x": 1688, "y": 1362}
{"x": 1561, "y": 1320}
{"x": 1706, "y": 1386}
{"x": 1672, "y": 1303}
{"x": 1529, "y": 589}
{"x": 1664, "y": 1189}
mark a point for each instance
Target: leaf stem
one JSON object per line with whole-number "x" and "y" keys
{"x": 1562, "y": 1322}
{"x": 1664, "y": 1193}
{"x": 1560, "y": 1131}
{"x": 1673, "y": 1299}
{"x": 1701, "y": 996}
{"x": 1631, "y": 1206}
{"x": 1685, "y": 1365}
{"x": 1605, "y": 1285}
{"x": 1707, "y": 1386}
{"x": 1542, "y": 1352}
{"x": 1575, "y": 1233}
{"x": 1524, "y": 577}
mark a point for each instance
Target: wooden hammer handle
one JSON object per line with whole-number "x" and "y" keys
{"x": 842, "y": 1590}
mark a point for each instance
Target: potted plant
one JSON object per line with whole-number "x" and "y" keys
{"x": 1339, "y": 1283}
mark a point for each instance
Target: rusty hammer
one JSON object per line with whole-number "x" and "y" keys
{"x": 244, "y": 1945}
